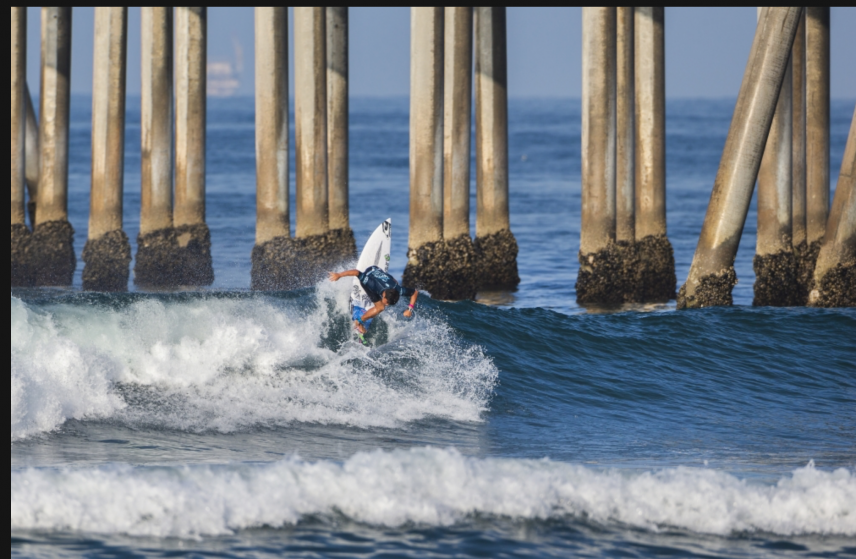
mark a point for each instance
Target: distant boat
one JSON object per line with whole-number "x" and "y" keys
{"x": 223, "y": 80}
{"x": 224, "y": 77}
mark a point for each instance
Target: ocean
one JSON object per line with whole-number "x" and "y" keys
{"x": 225, "y": 423}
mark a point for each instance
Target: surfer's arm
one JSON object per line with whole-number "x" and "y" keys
{"x": 349, "y": 274}
{"x": 409, "y": 312}
{"x": 378, "y": 308}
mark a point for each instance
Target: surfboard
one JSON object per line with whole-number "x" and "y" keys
{"x": 375, "y": 253}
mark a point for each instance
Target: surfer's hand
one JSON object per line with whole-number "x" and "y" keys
{"x": 334, "y": 277}
{"x": 408, "y": 313}
{"x": 361, "y": 329}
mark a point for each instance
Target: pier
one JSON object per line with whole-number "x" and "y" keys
{"x": 779, "y": 139}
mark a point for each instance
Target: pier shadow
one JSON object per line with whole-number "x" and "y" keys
{"x": 496, "y": 298}
{"x": 628, "y": 307}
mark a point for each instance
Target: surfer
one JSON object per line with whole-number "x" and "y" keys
{"x": 382, "y": 289}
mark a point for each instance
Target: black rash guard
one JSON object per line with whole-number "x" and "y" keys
{"x": 375, "y": 281}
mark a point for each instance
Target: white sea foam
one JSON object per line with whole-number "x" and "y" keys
{"x": 424, "y": 487}
{"x": 229, "y": 364}
{"x": 53, "y": 378}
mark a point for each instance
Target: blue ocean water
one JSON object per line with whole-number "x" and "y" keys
{"x": 225, "y": 423}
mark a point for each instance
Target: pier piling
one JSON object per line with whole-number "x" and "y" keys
{"x": 32, "y": 159}
{"x": 460, "y": 272}
{"x": 157, "y": 263}
{"x": 656, "y": 280}
{"x": 817, "y": 130}
{"x": 343, "y": 244}
{"x": 775, "y": 268}
{"x": 426, "y": 254}
{"x": 776, "y": 282}
{"x": 804, "y": 270}
{"x": 625, "y": 161}
{"x": 310, "y": 75}
{"x": 495, "y": 245}
{"x": 107, "y": 254}
{"x": 313, "y": 243}
{"x": 274, "y": 258}
{"x": 52, "y": 248}
{"x": 600, "y": 262}
{"x": 835, "y": 274}
{"x": 712, "y": 277}
{"x": 21, "y": 275}
{"x": 625, "y": 281}
{"x": 194, "y": 266}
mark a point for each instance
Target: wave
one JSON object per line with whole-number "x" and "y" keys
{"x": 725, "y": 361}
{"x": 227, "y": 363}
{"x": 426, "y": 487}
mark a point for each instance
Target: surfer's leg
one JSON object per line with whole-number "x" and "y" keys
{"x": 358, "y": 313}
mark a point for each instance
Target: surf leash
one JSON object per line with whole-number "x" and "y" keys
{"x": 360, "y": 335}
{"x": 362, "y": 339}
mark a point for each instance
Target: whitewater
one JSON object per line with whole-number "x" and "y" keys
{"x": 231, "y": 363}
{"x": 424, "y": 487}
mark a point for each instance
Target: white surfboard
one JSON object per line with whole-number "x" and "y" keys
{"x": 375, "y": 253}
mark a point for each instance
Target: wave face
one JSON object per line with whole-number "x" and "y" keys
{"x": 427, "y": 488}
{"x": 229, "y": 363}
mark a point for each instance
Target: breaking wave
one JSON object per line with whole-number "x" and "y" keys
{"x": 228, "y": 363}
{"x": 427, "y": 487}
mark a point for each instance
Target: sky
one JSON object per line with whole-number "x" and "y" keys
{"x": 706, "y": 50}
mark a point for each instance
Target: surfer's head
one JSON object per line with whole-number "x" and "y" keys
{"x": 390, "y": 297}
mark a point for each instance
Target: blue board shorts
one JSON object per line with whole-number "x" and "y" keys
{"x": 358, "y": 313}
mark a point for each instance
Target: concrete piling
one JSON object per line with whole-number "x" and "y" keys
{"x": 656, "y": 280}
{"x": 427, "y": 255}
{"x": 52, "y": 248}
{"x": 601, "y": 264}
{"x": 817, "y": 130}
{"x": 712, "y": 277}
{"x": 158, "y": 255}
{"x": 495, "y": 245}
{"x": 274, "y": 258}
{"x": 310, "y": 76}
{"x": 835, "y": 274}
{"x": 804, "y": 270}
{"x": 194, "y": 265}
{"x": 314, "y": 244}
{"x": 775, "y": 268}
{"x": 624, "y": 257}
{"x": 343, "y": 243}
{"x": 457, "y": 107}
{"x": 461, "y": 273}
{"x": 21, "y": 275}
{"x": 107, "y": 254}
{"x": 625, "y": 161}
{"x": 32, "y": 157}
{"x": 625, "y": 277}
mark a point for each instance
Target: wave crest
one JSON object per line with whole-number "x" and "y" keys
{"x": 425, "y": 487}
{"x": 228, "y": 364}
